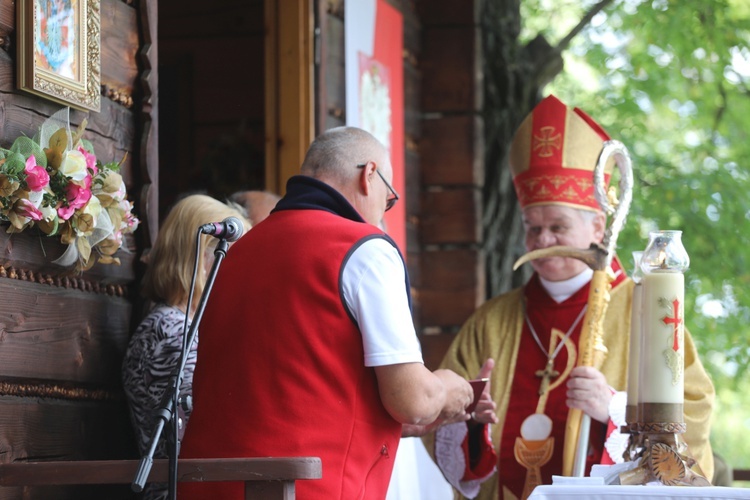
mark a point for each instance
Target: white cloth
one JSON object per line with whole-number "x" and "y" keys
{"x": 415, "y": 475}
{"x": 617, "y": 442}
{"x": 564, "y": 492}
{"x": 374, "y": 290}
{"x": 563, "y": 290}
{"x": 450, "y": 457}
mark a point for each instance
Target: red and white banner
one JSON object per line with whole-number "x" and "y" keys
{"x": 374, "y": 38}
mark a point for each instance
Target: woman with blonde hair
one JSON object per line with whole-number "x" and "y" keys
{"x": 154, "y": 349}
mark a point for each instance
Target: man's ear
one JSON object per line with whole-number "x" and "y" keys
{"x": 365, "y": 177}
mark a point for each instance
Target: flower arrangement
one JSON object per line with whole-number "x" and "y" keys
{"x": 55, "y": 182}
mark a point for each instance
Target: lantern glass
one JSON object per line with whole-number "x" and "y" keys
{"x": 665, "y": 253}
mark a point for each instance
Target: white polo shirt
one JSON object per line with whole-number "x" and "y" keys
{"x": 373, "y": 285}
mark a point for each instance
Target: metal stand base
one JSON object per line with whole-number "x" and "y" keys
{"x": 663, "y": 457}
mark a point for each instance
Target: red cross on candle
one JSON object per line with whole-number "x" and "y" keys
{"x": 676, "y": 321}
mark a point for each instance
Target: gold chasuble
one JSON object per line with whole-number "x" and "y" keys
{"x": 498, "y": 330}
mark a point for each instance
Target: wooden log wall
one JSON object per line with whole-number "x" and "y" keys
{"x": 444, "y": 168}
{"x": 451, "y": 171}
{"x": 63, "y": 334}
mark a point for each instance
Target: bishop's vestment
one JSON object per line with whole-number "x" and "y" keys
{"x": 499, "y": 330}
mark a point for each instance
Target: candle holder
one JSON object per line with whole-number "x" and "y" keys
{"x": 656, "y": 436}
{"x": 664, "y": 457}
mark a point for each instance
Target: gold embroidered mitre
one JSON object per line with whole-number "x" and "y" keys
{"x": 553, "y": 154}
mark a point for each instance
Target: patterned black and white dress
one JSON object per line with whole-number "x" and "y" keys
{"x": 151, "y": 357}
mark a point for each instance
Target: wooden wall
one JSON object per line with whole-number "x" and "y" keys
{"x": 444, "y": 168}
{"x": 452, "y": 271}
{"x": 62, "y": 334}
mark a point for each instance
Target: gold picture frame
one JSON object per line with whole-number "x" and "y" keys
{"x": 59, "y": 51}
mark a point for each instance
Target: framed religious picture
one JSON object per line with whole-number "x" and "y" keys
{"x": 59, "y": 51}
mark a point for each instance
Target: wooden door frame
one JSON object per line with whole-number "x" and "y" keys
{"x": 289, "y": 88}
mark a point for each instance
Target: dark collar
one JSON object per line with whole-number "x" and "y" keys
{"x": 307, "y": 193}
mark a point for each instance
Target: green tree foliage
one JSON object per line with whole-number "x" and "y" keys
{"x": 671, "y": 80}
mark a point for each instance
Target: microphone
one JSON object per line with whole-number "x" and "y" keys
{"x": 230, "y": 229}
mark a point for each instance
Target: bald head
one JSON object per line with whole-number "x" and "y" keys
{"x": 352, "y": 161}
{"x": 258, "y": 204}
{"x": 335, "y": 153}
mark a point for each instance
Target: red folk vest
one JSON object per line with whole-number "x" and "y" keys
{"x": 280, "y": 368}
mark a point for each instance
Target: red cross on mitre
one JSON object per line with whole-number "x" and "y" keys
{"x": 545, "y": 141}
{"x": 675, "y": 321}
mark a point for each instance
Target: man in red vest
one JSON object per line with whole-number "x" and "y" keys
{"x": 307, "y": 346}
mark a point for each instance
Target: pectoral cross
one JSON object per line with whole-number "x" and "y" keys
{"x": 547, "y": 375}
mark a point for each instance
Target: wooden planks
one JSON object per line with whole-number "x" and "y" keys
{"x": 119, "y": 47}
{"x": 451, "y": 153}
{"x": 33, "y": 252}
{"x": 265, "y": 478}
{"x": 450, "y": 216}
{"x": 454, "y": 276}
{"x": 188, "y": 470}
{"x": 55, "y": 334}
{"x": 450, "y": 66}
{"x": 44, "y": 429}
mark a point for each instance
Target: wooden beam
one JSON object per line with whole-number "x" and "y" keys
{"x": 265, "y": 478}
{"x": 289, "y": 88}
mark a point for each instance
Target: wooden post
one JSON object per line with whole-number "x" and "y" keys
{"x": 289, "y": 88}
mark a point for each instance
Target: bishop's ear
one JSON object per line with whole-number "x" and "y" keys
{"x": 600, "y": 224}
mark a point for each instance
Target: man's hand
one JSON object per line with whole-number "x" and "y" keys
{"x": 414, "y": 395}
{"x": 458, "y": 395}
{"x": 589, "y": 392}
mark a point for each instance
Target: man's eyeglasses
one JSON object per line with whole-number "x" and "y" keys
{"x": 394, "y": 195}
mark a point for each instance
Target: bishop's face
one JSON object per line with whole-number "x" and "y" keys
{"x": 552, "y": 225}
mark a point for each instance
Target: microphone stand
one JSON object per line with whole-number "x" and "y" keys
{"x": 167, "y": 409}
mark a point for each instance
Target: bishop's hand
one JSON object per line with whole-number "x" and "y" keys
{"x": 589, "y": 392}
{"x": 484, "y": 413}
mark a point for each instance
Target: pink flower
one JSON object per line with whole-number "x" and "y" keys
{"x": 90, "y": 160}
{"x": 26, "y": 208}
{"x": 65, "y": 213}
{"x": 37, "y": 177}
{"x": 77, "y": 197}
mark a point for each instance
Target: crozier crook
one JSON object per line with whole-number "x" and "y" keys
{"x": 599, "y": 258}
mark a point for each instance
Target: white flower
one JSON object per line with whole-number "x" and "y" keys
{"x": 48, "y": 213}
{"x": 74, "y": 165}
{"x": 93, "y": 207}
{"x": 36, "y": 197}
